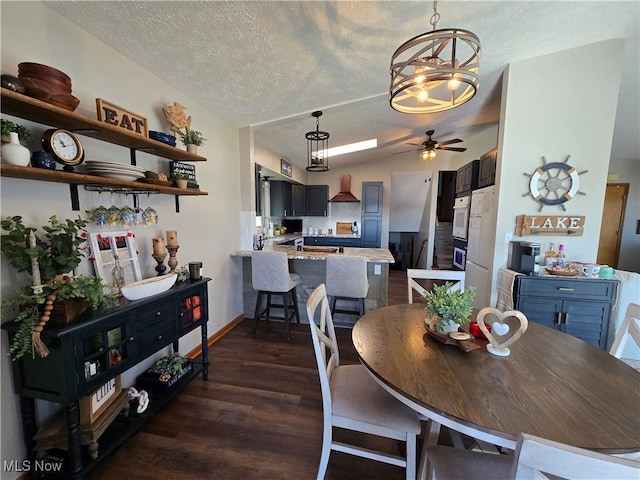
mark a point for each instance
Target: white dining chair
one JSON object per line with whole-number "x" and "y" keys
{"x": 534, "y": 458}
{"x": 352, "y": 400}
{"x": 414, "y": 274}
{"x": 630, "y": 327}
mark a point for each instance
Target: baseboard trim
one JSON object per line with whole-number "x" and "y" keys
{"x": 196, "y": 352}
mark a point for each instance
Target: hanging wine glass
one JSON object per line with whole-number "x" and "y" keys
{"x": 127, "y": 214}
{"x": 150, "y": 216}
{"x": 99, "y": 214}
{"x": 139, "y": 212}
{"x": 113, "y": 213}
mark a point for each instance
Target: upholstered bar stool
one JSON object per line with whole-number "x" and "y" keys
{"x": 270, "y": 275}
{"x": 346, "y": 279}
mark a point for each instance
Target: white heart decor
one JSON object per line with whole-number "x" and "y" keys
{"x": 511, "y": 321}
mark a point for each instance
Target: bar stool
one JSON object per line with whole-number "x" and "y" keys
{"x": 270, "y": 275}
{"x": 346, "y": 279}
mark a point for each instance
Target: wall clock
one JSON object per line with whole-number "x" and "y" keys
{"x": 65, "y": 147}
{"x": 554, "y": 183}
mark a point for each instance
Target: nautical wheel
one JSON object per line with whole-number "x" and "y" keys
{"x": 554, "y": 183}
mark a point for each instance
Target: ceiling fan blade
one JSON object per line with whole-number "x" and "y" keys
{"x": 407, "y": 151}
{"x": 416, "y": 144}
{"x": 449, "y": 142}
{"x": 453, "y": 149}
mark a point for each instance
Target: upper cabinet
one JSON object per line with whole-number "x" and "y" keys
{"x": 487, "y": 170}
{"x": 280, "y": 198}
{"x": 298, "y": 196}
{"x": 467, "y": 177}
{"x": 317, "y": 200}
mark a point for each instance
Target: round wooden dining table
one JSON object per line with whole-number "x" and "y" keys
{"x": 552, "y": 385}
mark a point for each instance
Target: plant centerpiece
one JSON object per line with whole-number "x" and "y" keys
{"x": 49, "y": 258}
{"x": 450, "y": 307}
{"x": 181, "y": 178}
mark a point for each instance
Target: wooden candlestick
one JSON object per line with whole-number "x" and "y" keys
{"x": 159, "y": 257}
{"x": 173, "y": 261}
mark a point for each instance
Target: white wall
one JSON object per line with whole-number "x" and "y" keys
{"x": 208, "y": 226}
{"x": 558, "y": 105}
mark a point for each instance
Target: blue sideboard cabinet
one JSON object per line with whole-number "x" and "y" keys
{"x": 577, "y": 306}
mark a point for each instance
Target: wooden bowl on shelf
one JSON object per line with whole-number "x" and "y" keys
{"x": 43, "y": 72}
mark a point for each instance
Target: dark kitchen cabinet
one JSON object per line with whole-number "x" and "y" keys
{"x": 280, "y": 198}
{"x": 97, "y": 347}
{"x": 317, "y": 200}
{"x": 579, "y": 307}
{"x": 298, "y": 196}
{"x": 467, "y": 177}
{"x": 332, "y": 241}
{"x": 371, "y": 221}
{"x": 487, "y": 169}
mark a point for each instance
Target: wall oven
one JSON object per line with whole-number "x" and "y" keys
{"x": 461, "y": 217}
{"x": 459, "y": 254}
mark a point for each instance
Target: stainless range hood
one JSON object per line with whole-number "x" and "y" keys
{"x": 345, "y": 194}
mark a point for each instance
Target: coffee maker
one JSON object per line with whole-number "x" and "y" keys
{"x": 522, "y": 256}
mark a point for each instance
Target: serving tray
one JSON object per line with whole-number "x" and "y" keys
{"x": 464, "y": 345}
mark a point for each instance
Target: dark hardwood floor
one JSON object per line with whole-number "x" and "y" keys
{"x": 259, "y": 416}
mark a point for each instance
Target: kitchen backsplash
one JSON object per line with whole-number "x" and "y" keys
{"x": 337, "y": 212}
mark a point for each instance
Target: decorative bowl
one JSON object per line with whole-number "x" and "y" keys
{"x": 162, "y": 137}
{"x": 148, "y": 287}
{"x": 37, "y": 70}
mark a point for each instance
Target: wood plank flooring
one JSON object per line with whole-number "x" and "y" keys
{"x": 258, "y": 417}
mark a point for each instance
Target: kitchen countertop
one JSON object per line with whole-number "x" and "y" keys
{"x": 280, "y": 239}
{"x": 373, "y": 255}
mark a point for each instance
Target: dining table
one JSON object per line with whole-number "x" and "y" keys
{"x": 552, "y": 385}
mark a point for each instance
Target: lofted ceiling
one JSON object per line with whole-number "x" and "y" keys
{"x": 269, "y": 64}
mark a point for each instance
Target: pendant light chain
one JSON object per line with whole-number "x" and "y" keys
{"x": 435, "y": 18}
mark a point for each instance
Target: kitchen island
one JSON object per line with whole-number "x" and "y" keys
{"x": 311, "y": 266}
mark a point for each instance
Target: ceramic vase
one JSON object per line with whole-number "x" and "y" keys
{"x": 192, "y": 148}
{"x": 447, "y": 327}
{"x": 14, "y": 153}
{"x": 181, "y": 183}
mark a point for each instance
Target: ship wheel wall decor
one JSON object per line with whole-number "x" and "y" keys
{"x": 554, "y": 183}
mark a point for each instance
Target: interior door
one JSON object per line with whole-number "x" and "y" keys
{"x": 615, "y": 202}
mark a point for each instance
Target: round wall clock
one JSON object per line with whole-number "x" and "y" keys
{"x": 554, "y": 183}
{"x": 65, "y": 147}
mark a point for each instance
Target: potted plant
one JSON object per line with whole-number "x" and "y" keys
{"x": 8, "y": 126}
{"x": 48, "y": 258}
{"x": 181, "y": 178}
{"x": 451, "y": 308}
{"x": 191, "y": 139}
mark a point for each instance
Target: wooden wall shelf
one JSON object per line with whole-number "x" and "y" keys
{"x": 37, "y": 111}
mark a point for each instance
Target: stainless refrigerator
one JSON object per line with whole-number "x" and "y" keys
{"x": 481, "y": 243}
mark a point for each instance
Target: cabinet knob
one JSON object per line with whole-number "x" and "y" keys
{"x": 158, "y": 314}
{"x": 159, "y": 337}
{"x": 131, "y": 339}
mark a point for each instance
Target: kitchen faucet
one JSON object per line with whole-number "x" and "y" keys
{"x": 268, "y": 226}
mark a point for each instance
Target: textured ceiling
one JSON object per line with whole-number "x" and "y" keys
{"x": 270, "y": 64}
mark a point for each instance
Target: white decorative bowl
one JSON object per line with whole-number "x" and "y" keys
{"x": 148, "y": 287}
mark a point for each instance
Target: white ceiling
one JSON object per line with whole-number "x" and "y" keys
{"x": 269, "y": 64}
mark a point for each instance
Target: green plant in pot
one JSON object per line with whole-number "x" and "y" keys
{"x": 181, "y": 178}
{"x": 8, "y": 126}
{"x": 49, "y": 258}
{"x": 451, "y": 308}
{"x": 191, "y": 139}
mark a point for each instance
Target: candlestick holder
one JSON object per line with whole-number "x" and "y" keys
{"x": 159, "y": 257}
{"x": 173, "y": 261}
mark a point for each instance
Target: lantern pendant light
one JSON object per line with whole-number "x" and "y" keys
{"x": 317, "y": 147}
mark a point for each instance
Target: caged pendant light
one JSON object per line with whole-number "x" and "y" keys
{"x": 317, "y": 147}
{"x": 435, "y": 71}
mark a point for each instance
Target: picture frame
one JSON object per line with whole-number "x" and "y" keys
{"x": 285, "y": 168}
{"x": 105, "y": 246}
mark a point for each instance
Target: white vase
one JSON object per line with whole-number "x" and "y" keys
{"x": 14, "y": 153}
{"x": 192, "y": 148}
{"x": 450, "y": 327}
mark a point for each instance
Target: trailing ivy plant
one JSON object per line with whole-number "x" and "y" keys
{"x": 26, "y": 307}
{"x": 8, "y": 126}
{"x": 192, "y": 137}
{"x": 450, "y": 306}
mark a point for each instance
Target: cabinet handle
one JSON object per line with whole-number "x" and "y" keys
{"x": 559, "y": 318}
{"x": 566, "y": 319}
{"x": 565, "y": 289}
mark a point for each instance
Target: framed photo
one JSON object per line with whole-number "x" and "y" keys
{"x": 104, "y": 248}
{"x": 285, "y": 168}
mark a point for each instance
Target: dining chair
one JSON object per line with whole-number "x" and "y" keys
{"x": 346, "y": 279}
{"x": 422, "y": 274}
{"x": 534, "y": 458}
{"x": 352, "y": 400}
{"x": 630, "y": 327}
{"x": 270, "y": 276}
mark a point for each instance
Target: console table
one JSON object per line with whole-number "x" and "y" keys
{"x": 97, "y": 347}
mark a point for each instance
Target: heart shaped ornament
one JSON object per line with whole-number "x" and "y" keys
{"x": 506, "y": 329}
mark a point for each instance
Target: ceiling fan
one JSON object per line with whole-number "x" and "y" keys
{"x": 429, "y": 146}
